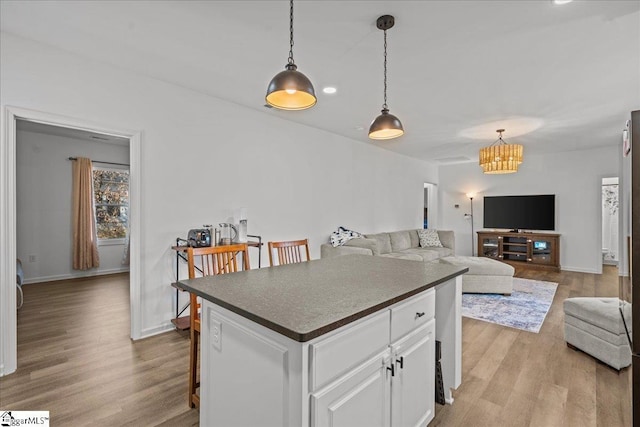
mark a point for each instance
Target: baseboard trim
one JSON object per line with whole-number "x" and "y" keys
{"x": 74, "y": 276}
{"x": 580, "y": 270}
{"x": 157, "y": 330}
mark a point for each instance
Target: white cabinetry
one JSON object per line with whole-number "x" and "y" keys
{"x": 376, "y": 371}
{"x": 359, "y": 398}
{"x": 413, "y": 387}
{"x": 394, "y": 387}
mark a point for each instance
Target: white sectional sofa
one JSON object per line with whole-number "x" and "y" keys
{"x": 397, "y": 244}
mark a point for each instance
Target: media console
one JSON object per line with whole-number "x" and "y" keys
{"x": 534, "y": 250}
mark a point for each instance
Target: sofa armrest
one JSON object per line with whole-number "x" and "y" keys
{"x": 328, "y": 251}
{"x": 362, "y": 242}
{"x": 448, "y": 239}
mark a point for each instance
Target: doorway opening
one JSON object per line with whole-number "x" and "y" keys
{"x": 8, "y": 224}
{"x": 610, "y": 237}
{"x": 430, "y": 205}
{"x": 44, "y": 163}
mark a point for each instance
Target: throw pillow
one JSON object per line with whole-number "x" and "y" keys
{"x": 429, "y": 239}
{"x": 342, "y": 236}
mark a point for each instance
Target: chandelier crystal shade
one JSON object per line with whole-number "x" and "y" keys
{"x": 290, "y": 89}
{"x": 500, "y": 157}
{"x": 385, "y": 126}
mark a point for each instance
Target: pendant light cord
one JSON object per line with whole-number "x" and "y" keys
{"x": 384, "y": 106}
{"x": 498, "y": 141}
{"x": 291, "y": 62}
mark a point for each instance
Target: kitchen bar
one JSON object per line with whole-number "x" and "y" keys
{"x": 327, "y": 341}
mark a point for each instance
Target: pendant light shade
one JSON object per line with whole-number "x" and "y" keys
{"x": 500, "y": 157}
{"x": 290, "y": 89}
{"x": 385, "y": 126}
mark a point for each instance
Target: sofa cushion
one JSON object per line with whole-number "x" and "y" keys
{"x": 415, "y": 239}
{"x": 403, "y": 255}
{"x": 448, "y": 239}
{"x": 361, "y": 242}
{"x": 426, "y": 254}
{"x": 429, "y": 239}
{"x": 441, "y": 252}
{"x": 383, "y": 242}
{"x": 400, "y": 240}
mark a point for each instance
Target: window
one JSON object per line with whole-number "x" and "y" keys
{"x": 111, "y": 196}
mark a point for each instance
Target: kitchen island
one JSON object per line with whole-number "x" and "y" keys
{"x": 341, "y": 341}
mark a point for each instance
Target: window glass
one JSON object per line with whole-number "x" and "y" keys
{"x": 111, "y": 197}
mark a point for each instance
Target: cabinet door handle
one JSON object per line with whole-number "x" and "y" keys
{"x": 401, "y": 362}
{"x": 419, "y": 315}
{"x": 392, "y": 369}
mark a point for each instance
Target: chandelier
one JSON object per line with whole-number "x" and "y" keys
{"x": 500, "y": 157}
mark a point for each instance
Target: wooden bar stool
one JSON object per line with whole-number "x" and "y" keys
{"x": 213, "y": 260}
{"x": 289, "y": 252}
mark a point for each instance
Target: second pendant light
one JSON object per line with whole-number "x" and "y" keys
{"x": 386, "y": 125}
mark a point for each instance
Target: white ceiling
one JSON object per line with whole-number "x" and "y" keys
{"x": 556, "y": 78}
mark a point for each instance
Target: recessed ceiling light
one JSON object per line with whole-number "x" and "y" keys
{"x": 561, "y": 1}
{"x": 329, "y": 90}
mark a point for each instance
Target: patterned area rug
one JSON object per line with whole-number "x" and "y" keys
{"x": 525, "y": 309}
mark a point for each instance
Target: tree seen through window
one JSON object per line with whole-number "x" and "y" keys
{"x": 111, "y": 197}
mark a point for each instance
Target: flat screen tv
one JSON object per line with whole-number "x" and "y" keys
{"x": 520, "y": 212}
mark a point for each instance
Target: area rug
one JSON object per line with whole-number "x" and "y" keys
{"x": 525, "y": 309}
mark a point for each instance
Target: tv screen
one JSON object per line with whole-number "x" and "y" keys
{"x": 520, "y": 212}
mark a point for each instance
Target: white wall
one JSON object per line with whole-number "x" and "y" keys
{"x": 203, "y": 158}
{"x": 574, "y": 177}
{"x": 43, "y": 200}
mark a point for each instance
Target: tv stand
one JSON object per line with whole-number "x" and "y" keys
{"x": 519, "y": 248}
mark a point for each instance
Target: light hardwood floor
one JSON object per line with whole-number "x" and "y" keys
{"x": 76, "y": 360}
{"x": 516, "y": 378}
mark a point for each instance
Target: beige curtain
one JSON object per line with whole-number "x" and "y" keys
{"x": 85, "y": 239}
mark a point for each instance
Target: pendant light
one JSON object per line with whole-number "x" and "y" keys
{"x": 500, "y": 157}
{"x": 290, "y": 89}
{"x": 386, "y": 125}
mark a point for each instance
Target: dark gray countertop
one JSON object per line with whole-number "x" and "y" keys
{"x": 303, "y": 301}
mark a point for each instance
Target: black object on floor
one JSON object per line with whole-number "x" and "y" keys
{"x": 439, "y": 381}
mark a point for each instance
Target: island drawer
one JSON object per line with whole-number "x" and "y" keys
{"x": 414, "y": 312}
{"x": 335, "y": 355}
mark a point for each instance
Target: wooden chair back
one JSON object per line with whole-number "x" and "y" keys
{"x": 289, "y": 252}
{"x": 218, "y": 259}
{"x": 213, "y": 260}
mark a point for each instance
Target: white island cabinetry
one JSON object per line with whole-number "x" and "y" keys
{"x": 354, "y": 376}
{"x": 394, "y": 387}
{"x": 347, "y": 341}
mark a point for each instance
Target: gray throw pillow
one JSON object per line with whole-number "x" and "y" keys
{"x": 429, "y": 239}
